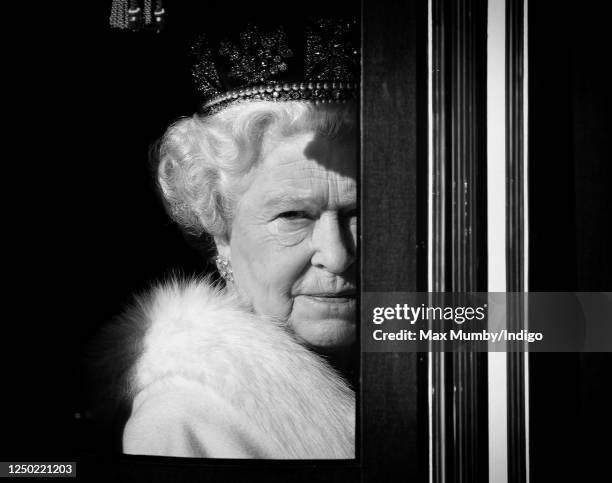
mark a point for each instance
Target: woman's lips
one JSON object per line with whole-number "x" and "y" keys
{"x": 341, "y": 297}
{"x": 337, "y": 305}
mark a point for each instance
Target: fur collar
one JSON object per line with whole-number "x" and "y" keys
{"x": 291, "y": 396}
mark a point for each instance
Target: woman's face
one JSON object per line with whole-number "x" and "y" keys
{"x": 293, "y": 241}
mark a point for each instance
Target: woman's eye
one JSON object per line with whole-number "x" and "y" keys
{"x": 294, "y": 215}
{"x": 292, "y": 226}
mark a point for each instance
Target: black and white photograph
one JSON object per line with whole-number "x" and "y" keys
{"x": 309, "y": 241}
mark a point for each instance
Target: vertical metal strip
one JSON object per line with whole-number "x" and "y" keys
{"x": 525, "y": 127}
{"x": 515, "y": 255}
{"x": 430, "y": 157}
{"x": 438, "y": 147}
{"x": 437, "y": 230}
{"x": 432, "y": 394}
{"x": 457, "y": 398}
{"x": 430, "y": 195}
{"x": 496, "y": 218}
{"x": 467, "y": 23}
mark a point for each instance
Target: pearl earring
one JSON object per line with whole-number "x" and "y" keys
{"x": 225, "y": 269}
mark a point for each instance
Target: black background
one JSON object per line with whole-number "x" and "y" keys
{"x": 570, "y": 158}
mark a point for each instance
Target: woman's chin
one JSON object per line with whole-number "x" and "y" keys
{"x": 324, "y": 334}
{"x": 324, "y": 323}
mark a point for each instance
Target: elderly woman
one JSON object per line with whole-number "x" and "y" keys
{"x": 252, "y": 367}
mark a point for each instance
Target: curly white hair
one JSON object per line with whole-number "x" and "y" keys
{"x": 204, "y": 161}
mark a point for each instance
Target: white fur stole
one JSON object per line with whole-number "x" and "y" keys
{"x": 235, "y": 370}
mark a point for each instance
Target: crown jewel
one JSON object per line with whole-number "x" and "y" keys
{"x": 259, "y": 55}
{"x": 330, "y": 50}
{"x": 318, "y": 64}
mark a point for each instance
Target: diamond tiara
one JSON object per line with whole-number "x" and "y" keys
{"x": 319, "y": 64}
{"x": 317, "y": 92}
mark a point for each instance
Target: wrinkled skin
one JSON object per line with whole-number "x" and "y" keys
{"x": 293, "y": 239}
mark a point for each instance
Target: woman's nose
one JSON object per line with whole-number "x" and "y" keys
{"x": 334, "y": 244}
